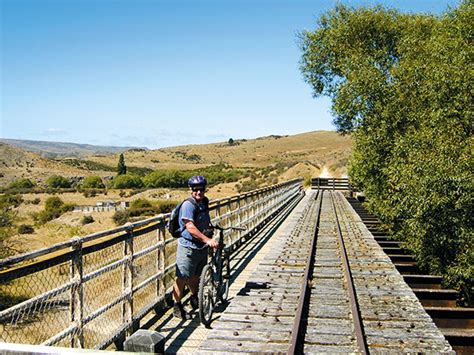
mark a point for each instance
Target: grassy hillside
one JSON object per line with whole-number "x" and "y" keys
{"x": 265, "y": 160}
{"x": 16, "y": 163}
{"x": 318, "y": 149}
{"x": 286, "y": 156}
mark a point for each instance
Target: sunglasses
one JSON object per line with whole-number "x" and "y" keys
{"x": 196, "y": 189}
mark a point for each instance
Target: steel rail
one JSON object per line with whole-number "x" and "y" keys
{"x": 305, "y": 286}
{"x": 356, "y": 318}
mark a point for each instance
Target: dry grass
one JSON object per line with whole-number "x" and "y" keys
{"x": 317, "y": 148}
{"x": 304, "y": 155}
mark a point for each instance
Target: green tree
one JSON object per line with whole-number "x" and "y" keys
{"x": 121, "y": 168}
{"x": 92, "y": 182}
{"x": 58, "y": 181}
{"x": 231, "y": 141}
{"x": 127, "y": 181}
{"x": 401, "y": 84}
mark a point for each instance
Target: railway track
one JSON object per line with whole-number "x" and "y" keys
{"x": 456, "y": 323}
{"x": 326, "y": 287}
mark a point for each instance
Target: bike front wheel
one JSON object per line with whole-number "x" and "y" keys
{"x": 224, "y": 290}
{"x": 206, "y": 295}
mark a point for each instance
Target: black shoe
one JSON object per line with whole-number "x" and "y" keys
{"x": 194, "y": 302}
{"x": 179, "y": 312}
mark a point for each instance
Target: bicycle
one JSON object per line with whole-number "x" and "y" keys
{"x": 213, "y": 285}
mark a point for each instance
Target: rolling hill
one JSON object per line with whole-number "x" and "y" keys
{"x": 290, "y": 156}
{"x": 318, "y": 149}
{"x": 62, "y": 149}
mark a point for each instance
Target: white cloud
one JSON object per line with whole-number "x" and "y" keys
{"x": 54, "y": 131}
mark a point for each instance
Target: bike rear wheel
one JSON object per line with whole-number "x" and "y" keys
{"x": 206, "y": 295}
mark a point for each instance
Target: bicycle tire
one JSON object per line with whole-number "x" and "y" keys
{"x": 206, "y": 296}
{"x": 224, "y": 289}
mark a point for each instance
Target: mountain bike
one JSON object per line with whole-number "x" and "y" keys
{"x": 214, "y": 285}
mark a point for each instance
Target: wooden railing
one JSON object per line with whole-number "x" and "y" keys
{"x": 91, "y": 291}
{"x": 331, "y": 184}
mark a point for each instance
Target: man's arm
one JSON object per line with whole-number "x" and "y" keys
{"x": 196, "y": 233}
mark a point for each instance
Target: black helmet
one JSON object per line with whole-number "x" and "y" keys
{"x": 197, "y": 180}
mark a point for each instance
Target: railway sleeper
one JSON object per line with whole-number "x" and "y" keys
{"x": 423, "y": 281}
{"x": 436, "y": 298}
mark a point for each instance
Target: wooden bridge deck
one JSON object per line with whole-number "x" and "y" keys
{"x": 260, "y": 320}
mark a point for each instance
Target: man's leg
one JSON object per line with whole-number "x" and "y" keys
{"x": 178, "y": 289}
{"x": 193, "y": 284}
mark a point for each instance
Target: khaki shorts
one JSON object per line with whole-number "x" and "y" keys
{"x": 189, "y": 261}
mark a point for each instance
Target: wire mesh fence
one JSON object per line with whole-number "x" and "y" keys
{"x": 91, "y": 291}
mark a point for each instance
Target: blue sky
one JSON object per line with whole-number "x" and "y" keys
{"x": 161, "y": 73}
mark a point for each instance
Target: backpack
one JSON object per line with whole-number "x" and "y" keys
{"x": 173, "y": 223}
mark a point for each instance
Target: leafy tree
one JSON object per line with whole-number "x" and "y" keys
{"x": 92, "y": 182}
{"x": 231, "y": 141}
{"x": 121, "y": 168}
{"x": 58, "y": 181}
{"x": 127, "y": 181}
{"x": 166, "y": 178}
{"x": 401, "y": 84}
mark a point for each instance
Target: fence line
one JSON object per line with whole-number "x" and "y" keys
{"x": 90, "y": 291}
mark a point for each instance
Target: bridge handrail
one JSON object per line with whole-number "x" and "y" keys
{"x": 91, "y": 291}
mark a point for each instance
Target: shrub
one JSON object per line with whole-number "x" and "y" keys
{"x": 25, "y": 229}
{"x": 87, "y": 220}
{"x": 121, "y": 217}
{"x": 89, "y": 193}
{"x": 92, "y": 182}
{"x": 22, "y": 184}
{"x": 54, "y": 207}
{"x": 35, "y": 201}
{"x": 58, "y": 182}
{"x": 140, "y": 203}
{"x": 10, "y": 200}
{"x": 127, "y": 181}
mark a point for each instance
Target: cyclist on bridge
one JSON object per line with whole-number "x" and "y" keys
{"x": 192, "y": 250}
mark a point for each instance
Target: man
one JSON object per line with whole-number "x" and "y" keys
{"x": 192, "y": 250}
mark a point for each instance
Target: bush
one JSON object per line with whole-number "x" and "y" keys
{"x": 87, "y": 220}
{"x": 92, "y": 182}
{"x": 140, "y": 203}
{"x": 121, "y": 217}
{"x": 10, "y": 200}
{"x": 89, "y": 193}
{"x": 35, "y": 201}
{"x": 22, "y": 184}
{"x": 25, "y": 229}
{"x": 127, "y": 181}
{"x": 58, "y": 182}
{"x": 54, "y": 207}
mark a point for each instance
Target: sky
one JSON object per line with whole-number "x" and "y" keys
{"x": 160, "y": 73}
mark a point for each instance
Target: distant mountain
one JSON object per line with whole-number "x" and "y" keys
{"x": 63, "y": 149}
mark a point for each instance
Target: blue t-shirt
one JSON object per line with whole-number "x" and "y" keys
{"x": 188, "y": 211}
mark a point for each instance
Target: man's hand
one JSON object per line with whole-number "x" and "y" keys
{"x": 212, "y": 243}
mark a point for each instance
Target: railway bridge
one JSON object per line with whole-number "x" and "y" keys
{"x": 311, "y": 273}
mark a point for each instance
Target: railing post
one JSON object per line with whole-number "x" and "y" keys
{"x": 77, "y": 294}
{"x": 161, "y": 288}
{"x": 127, "y": 285}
